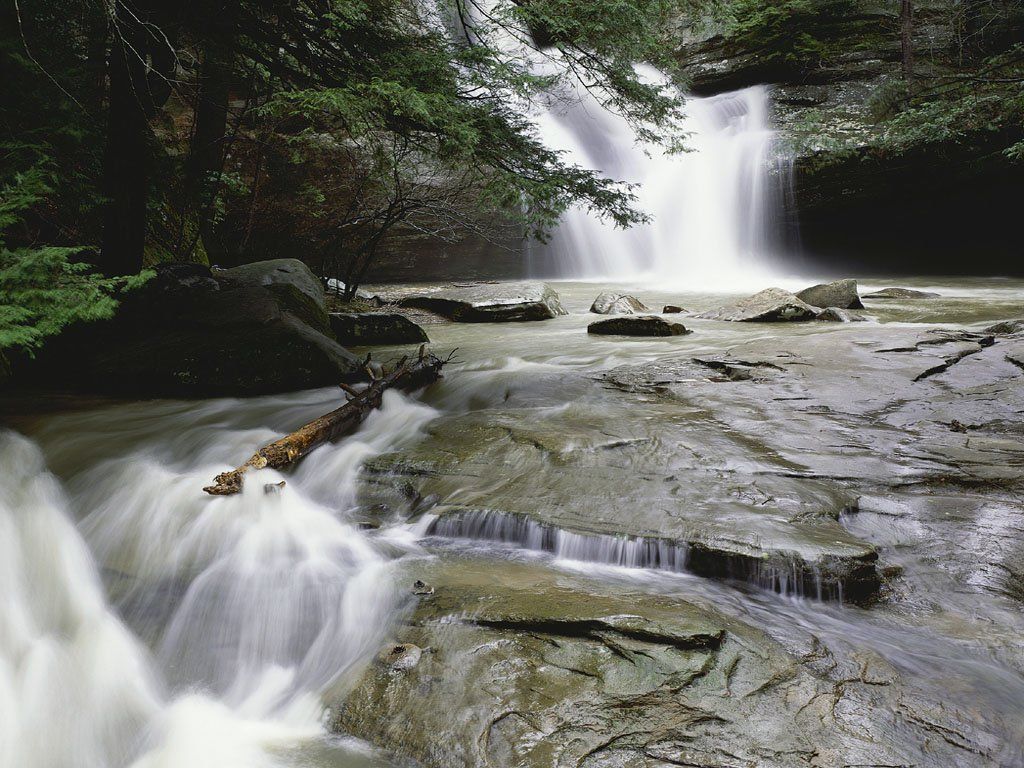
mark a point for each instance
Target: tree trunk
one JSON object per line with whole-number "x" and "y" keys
{"x": 407, "y": 375}
{"x": 907, "y": 39}
{"x": 205, "y": 163}
{"x": 127, "y": 161}
{"x": 96, "y": 59}
{"x": 206, "y": 155}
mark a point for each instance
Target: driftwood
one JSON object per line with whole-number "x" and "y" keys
{"x": 407, "y": 375}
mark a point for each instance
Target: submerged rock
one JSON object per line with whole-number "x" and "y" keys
{"x": 483, "y": 302}
{"x": 400, "y": 657}
{"x": 901, "y": 293}
{"x": 192, "y": 332}
{"x": 770, "y": 305}
{"x": 837, "y": 315}
{"x": 841, "y": 293}
{"x": 360, "y": 329}
{"x": 637, "y": 325}
{"x": 617, "y": 304}
{"x": 672, "y": 309}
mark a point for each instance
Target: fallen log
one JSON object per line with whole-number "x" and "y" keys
{"x": 407, "y": 375}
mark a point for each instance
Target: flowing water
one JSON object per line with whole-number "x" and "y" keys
{"x": 147, "y": 624}
{"x": 717, "y": 211}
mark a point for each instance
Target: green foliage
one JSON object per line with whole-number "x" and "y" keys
{"x": 965, "y": 108}
{"x": 455, "y": 96}
{"x": 789, "y": 32}
{"x": 43, "y": 289}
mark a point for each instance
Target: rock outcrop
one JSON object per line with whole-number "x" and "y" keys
{"x": 531, "y": 668}
{"x": 637, "y": 325}
{"x": 617, "y": 304}
{"x": 835, "y": 72}
{"x": 366, "y": 329}
{"x": 770, "y": 305}
{"x": 196, "y": 333}
{"x": 901, "y": 293}
{"x": 786, "y": 539}
{"x": 481, "y": 302}
{"x": 840, "y": 293}
{"x": 1006, "y": 327}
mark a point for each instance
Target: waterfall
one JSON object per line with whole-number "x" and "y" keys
{"x": 717, "y": 211}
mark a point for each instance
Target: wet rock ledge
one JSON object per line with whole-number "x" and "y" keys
{"x": 526, "y": 667}
{"x": 575, "y": 492}
{"x": 479, "y": 302}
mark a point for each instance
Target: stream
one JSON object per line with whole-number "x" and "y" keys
{"x": 147, "y": 624}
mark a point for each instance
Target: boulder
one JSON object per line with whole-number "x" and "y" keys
{"x": 1006, "y": 327}
{"x": 482, "y": 302}
{"x": 295, "y": 287}
{"x": 617, "y": 304}
{"x": 901, "y": 293}
{"x": 841, "y": 293}
{"x": 672, "y": 309}
{"x": 637, "y": 325}
{"x": 364, "y": 329}
{"x": 770, "y": 305}
{"x": 195, "y": 333}
{"x": 837, "y": 315}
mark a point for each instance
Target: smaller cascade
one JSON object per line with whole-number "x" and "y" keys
{"x": 788, "y": 576}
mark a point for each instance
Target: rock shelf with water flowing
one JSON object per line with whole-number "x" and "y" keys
{"x": 774, "y": 544}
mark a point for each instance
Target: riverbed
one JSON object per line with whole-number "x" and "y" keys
{"x": 756, "y": 544}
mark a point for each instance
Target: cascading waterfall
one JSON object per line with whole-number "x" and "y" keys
{"x": 717, "y": 211}
{"x": 230, "y": 621}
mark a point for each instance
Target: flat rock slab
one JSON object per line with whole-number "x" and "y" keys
{"x": 637, "y": 325}
{"x": 617, "y": 304}
{"x": 481, "y": 302}
{"x": 573, "y": 489}
{"x": 527, "y": 667}
{"x": 360, "y": 329}
{"x": 770, "y": 305}
{"x": 841, "y": 293}
{"x": 901, "y": 293}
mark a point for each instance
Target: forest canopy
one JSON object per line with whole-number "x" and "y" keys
{"x": 141, "y": 132}
{"x": 136, "y": 132}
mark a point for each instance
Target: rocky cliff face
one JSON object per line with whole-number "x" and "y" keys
{"x": 868, "y": 193}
